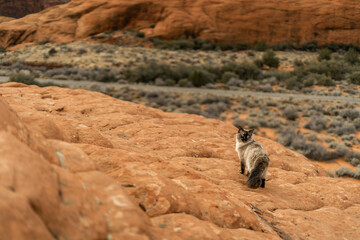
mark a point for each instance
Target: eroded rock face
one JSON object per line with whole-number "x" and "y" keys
{"x": 83, "y": 165}
{"x": 248, "y": 21}
{"x": 20, "y": 8}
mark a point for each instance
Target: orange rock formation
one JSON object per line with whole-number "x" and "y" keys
{"x": 82, "y": 165}
{"x": 222, "y": 20}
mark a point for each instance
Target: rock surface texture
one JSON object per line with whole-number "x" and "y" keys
{"x": 82, "y": 165}
{"x": 20, "y": 8}
{"x": 249, "y": 21}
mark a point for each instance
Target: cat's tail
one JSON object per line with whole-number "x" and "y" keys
{"x": 255, "y": 178}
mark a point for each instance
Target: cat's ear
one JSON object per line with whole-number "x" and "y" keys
{"x": 251, "y": 131}
{"x": 240, "y": 129}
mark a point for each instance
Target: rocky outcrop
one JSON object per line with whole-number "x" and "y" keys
{"x": 82, "y": 165}
{"x": 20, "y": 8}
{"x": 286, "y": 21}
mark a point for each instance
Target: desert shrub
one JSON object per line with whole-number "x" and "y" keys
{"x": 279, "y": 75}
{"x": 261, "y": 46}
{"x": 324, "y": 80}
{"x": 259, "y": 63}
{"x": 342, "y": 128}
{"x": 293, "y": 83}
{"x": 244, "y": 70}
{"x": 265, "y": 88}
{"x": 309, "y": 80}
{"x": 355, "y": 162}
{"x": 227, "y": 76}
{"x": 176, "y": 44}
{"x": 290, "y": 113}
{"x": 298, "y": 63}
{"x": 357, "y": 124}
{"x": 200, "y": 77}
{"x": 170, "y": 82}
{"x": 282, "y": 47}
{"x": 352, "y": 56}
{"x": 252, "y": 123}
{"x": 140, "y": 34}
{"x": 333, "y": 69}
{"x": 2, "y": 50}
{"x": 104, "y": 76}
{"x": 296, "y": 141}
{"x": 270, "y": 59}
{"x": 271, "y": 103}
{"x": 149, "y": 72}
{"x": 239, "y": 122}
{"x": 274, "y": 123}
{"x": 355, "y": 78}
{"x": 250, "y": 54}
{"x": 351, "y": 114}
{"x": 184, "y": 83}
{"x": 214, "y": 110}
{"x": 343, "y": 172}
{"x": 316, "y": 123}
{"x": 226, "y": 46}
{"x": 240, "y": 46}
{"x": 193, "y": 109}
{"x": 23, "y": 78}
{"x": 204, "y": 44}
{"x": 324, "y": 54}
{"x": 346, "y": 172}
{"x": 235, "y": 83}
{"x": 310, "y": 46}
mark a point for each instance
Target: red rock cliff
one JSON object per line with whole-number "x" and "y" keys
{"x": 222, "y": 20}
{"x": 20, "y": 8}
{"x": 82, "y": 165}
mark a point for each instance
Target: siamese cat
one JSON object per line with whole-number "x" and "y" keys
{"x": 253, "y": 156}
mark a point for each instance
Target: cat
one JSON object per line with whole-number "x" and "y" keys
{"x": 253, "y": 156}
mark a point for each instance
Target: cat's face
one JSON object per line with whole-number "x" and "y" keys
{"x": 244, "y": 135}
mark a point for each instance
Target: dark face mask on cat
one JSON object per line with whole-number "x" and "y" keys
{"x": 245, "y": 135}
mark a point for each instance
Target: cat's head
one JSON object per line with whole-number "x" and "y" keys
{"x": 244, "y": 135}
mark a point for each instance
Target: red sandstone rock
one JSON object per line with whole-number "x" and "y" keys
{"x": 140, "y": 173}
{"x": 249, "y": 21}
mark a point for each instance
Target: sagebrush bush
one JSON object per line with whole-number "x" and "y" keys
{"x": 316, "y": 123}
{"x": 351, "y": 114}
{"x": 290, "y": 113}
{"x": 226, "y": 76}
{"x": 23, "y": 78}
{"x": 261, "y": 46}
{"x": 240, "y": 46}
{"x": 293, "y": 83}
{"x": 343, "y": 128}
{"x": 214, "y": 110}
{"x": 310, "y": 46}
{"x": 336, "y": 70}
{"x": 147, "y": 73}
{"x": 324, "y": 80}
{"x": 296, "y": 141}
{"x": 270, "y": 59}
{"x": 244, "y": 70}
{"x": 324, "y": 54}
{"x": 346, "y": 172}
{"x": 200, "y": 77}
{"x": 352, "y": 56}
{"x": 184, "y": 83}
{"x": 355, "y": 78}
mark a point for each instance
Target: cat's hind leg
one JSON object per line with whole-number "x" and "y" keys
{"x": 262, "y": 183}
